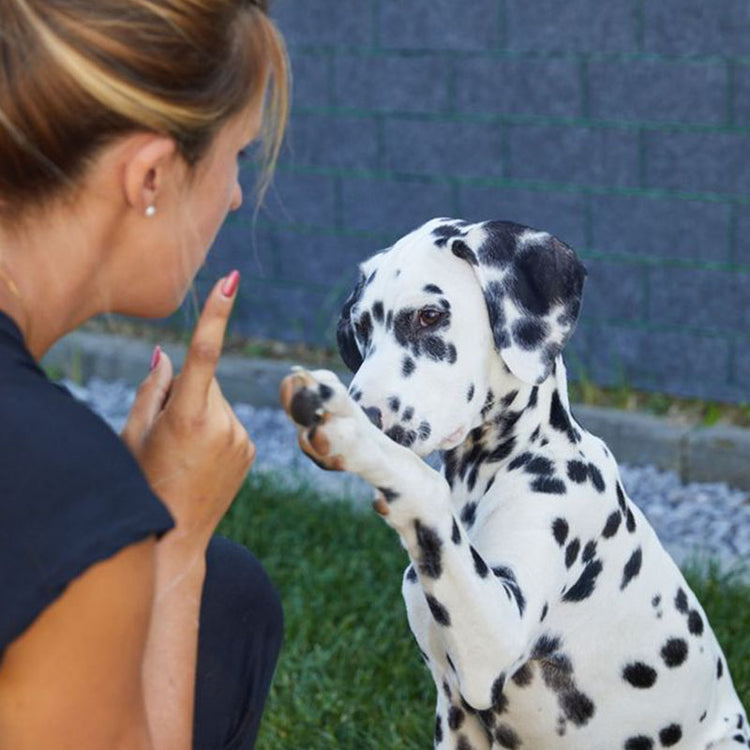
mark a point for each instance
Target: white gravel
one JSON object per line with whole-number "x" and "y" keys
{"x": 696, "y": 522}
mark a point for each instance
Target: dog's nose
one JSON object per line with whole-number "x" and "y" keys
{"x": 374, "y": 415}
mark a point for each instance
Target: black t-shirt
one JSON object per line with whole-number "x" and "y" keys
{"x": 71, "y": 494}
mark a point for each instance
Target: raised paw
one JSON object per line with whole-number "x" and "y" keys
{"x": 317, "y": 402}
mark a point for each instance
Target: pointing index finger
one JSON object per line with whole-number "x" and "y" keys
{"x": 206, "y": 344}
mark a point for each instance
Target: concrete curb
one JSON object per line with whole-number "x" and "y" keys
{"x": 696, "y": 454}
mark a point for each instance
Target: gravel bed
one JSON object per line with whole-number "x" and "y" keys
{"x": 695, "y": 522}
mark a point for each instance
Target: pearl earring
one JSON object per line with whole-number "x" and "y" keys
{"x": 150, "y": 211}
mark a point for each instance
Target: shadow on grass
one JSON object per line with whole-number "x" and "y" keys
{"x": 350, "y": 675}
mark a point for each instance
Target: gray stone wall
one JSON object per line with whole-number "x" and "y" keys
{"x": 623, "y": 127}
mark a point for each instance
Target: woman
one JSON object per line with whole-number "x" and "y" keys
{"x": 121, "y": 123}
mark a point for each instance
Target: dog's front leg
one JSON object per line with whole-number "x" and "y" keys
{"x": 482, "y": 629}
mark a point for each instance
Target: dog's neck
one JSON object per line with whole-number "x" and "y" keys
{"x": 513, "y": 422}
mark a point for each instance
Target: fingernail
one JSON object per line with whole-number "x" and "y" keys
{"x": 231, "y": 282}
{"x": 155, "y": 357}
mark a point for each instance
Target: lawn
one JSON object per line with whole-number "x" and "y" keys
{"x": 350, "y": 675}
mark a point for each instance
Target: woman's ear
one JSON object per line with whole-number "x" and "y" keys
{"x": 148, "y": 160}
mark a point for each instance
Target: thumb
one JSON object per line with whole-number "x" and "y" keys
{"x": 149, "y": 399}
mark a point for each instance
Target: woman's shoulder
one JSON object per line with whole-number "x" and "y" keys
{"x": 71, "y": 494}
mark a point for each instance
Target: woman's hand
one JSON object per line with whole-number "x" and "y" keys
{"x": 193, "y": 450}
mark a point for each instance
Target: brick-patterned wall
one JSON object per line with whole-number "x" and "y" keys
{"x": 623, "y": 127}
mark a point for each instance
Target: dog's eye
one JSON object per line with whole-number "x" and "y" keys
{"x": 428, "y": 316}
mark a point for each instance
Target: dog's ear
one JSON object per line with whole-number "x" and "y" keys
{"x": 532, "y": 284}
{"x": 345, "y": 338}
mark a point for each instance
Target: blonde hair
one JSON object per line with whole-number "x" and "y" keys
{"x": 76, "y": 74}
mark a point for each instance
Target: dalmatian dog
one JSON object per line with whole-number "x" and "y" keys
{"x": 540, "y": 597}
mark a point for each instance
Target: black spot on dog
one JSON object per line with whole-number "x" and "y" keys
{"x": 508, "y": 578}
{"x": 468, "y": 514}
{"x": 470, "y": 393}
{"x": 393, "y": 403}
{"x": 389, "y": 320}
{"x": 424, "y": 430}
{"x": 571, "y": 552}
{"x": 545, "y": 609}
{"x": 577, "y": 706}
{"x": 523, "y": 675}
{"x": 670, "y": 735}
{"x": 455, "y": 533}
{"x": 520, "y": 460}
{"x": 621, "y": 499}
{"x": 560, "y": 420}
{"x": 407, "y": 366}
{"x": 560, "y": 530}
{"x": 529, "y": 333}
{"x": 363, "y": 329}
{"x": 389, "y": 494}
{"x": 408, "y": 414}
{"x": 435, "y": 348}
{"x": 489, "y": 402}
{"x": 577, "y": 471}
{"x": 533, "y": 397}
{"x": 719, "y": 668}
{"x": 681, "y": 602}
{"x": 674, "y": 652}
{"x": 557, "y": 673}
{"x": 584, "y": 586}
{"x": 452, "y": 354}
{"x": 378, "y": 312}
{"x": 589, "y": 551}
{"x": 497, "y": 696}
{"x": 455, "y": 717}
{"x": 479, "y": 565}
{"x": 502, "y": 451}
{"x": 630, "y": 521}
{"x": 612, "y": 525}
{"x": 499, "y": 246}
{"x": 639, "y": 743}
{"x": 403, "y": 326}
{"x": 506, "y": 737}
{"x": 430, "y": 546}
{"x": 461, "y": 250}
{"x": 438, "y": 729}
{"x": 401, "y": 436}
{"x": 444, "y": 232}
{"x": 411, "y": 574}
{"x": 695, "y": 622}
{"x": 432, "y": 289}
{"x": 545, "y": 646}
{"x": 632, "y": 568}
{"x": 439, "y": 612}
{"x": 549, "y": 485}
{"x": 639, "y": 675}
{"x": 539, "y": 465}
{"x": 325, "y": 392}
{"x": 596, "y": 478}
{"x": 507, "y": 421}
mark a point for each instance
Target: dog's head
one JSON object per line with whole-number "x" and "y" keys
{"x": 450, "y": 307}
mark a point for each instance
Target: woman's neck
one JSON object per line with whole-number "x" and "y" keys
{"x": 45, "y": 275}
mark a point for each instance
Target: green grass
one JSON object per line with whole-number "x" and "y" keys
{"x": 349, "y": 674}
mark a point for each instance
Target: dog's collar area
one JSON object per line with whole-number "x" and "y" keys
{"x": 510, "y": 426}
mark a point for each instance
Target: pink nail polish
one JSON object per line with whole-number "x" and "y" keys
{"x": 155, "y": 357}
{"x": 231, "y": 282}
